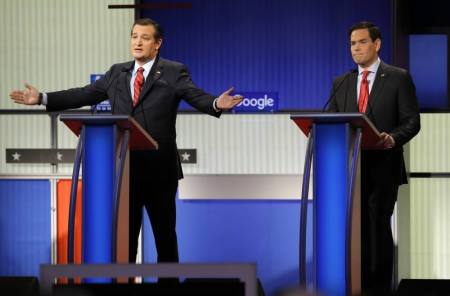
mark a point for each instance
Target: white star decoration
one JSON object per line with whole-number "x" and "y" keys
{"x": 59, "y": 156}
{"x": 16, "y": 156}
{"x": 185, "y": 156}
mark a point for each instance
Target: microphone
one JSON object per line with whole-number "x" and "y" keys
{"x": 115, "y": 77}
{"x": 121, "y": 70}
{"x": 335, "y": 90}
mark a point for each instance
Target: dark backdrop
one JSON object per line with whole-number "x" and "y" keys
{"x": 293, "y": 47}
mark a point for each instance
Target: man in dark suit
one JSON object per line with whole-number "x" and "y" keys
{"x": 387, "y": 95}
{"x": 150, "y": 89}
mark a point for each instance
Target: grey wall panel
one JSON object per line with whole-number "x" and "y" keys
{"x": 248, "y": 187}
{"x": 429, "y": 150}
{"x": 246, "y": 150}
{"x": 57, "y": 44}
{"x": 430, "y": 224}
{"x": 242, "y": 156}
{"x": 423, "y": 205}
{"x": 242, "y": 144}
{"x": 25, "y": 132}
{"x": 66, "y": 140}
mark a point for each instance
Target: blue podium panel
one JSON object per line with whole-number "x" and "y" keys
{"x": 25, "y": 226}
{"x": 331, "y": 177}
{"x": 98, "y": 183}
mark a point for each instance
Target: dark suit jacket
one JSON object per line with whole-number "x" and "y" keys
{"x": 392, "y": 108}
{"x": 167, "y": 83}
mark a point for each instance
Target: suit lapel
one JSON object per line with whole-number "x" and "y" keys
{"x": 154, "y": 75}
{"x": 127, "y": 87}
{"x": 377, "y": 87}
{"x": 123, "y": 83}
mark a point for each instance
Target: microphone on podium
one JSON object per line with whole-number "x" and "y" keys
{"x": 335, "y": 90}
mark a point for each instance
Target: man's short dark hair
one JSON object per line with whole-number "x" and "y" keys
{"x": 374, "y": 31}
{"x": 149, "y": 22}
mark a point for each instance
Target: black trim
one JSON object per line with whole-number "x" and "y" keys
{"x": 40, "y": 111}
{"x": 440, "y": 110}
{"x": 304, "y": 209}
{"x": 73, "y": 200}
{"x": 23, "y": 112}
{"x": 151, "y": 6}
{"x": 428, "y": 175}
{"x": 89, "y": 111}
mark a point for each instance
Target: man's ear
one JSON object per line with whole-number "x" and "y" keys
{"x": 378, "y": 44}
{"x": 158, "y": 44}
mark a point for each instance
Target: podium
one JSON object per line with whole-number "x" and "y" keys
{"x": 103, "y": 150}
{"x": 334, "y": 144}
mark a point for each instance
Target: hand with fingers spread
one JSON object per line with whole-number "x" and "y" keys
{"x": 387, "y": 141}
{"x": 227, "y": 101}
{"x": 28, "y": 96}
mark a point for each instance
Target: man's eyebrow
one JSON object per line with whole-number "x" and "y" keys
{"x": 145, "y": 35}
{"x": 359, "y": 40}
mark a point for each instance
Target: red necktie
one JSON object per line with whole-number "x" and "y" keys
{"x": 138, "y": 83}
{"x": 363, "y": 93}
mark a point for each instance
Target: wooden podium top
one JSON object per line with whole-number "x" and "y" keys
{"x": 370, "y": 134}
{"x": 139, "y": 138}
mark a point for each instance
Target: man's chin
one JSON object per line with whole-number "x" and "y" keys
{"x": 142, "y": 58}
{"x": 357, "y": 60}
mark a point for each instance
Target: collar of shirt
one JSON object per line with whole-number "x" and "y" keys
{"x": 372, "y": 68}
{"x": 147, "y": 67}
{"x": 370, "y": 77}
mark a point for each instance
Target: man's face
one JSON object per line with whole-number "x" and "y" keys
{"x": 144, "y": 47}
{"x": 364, "y": 50}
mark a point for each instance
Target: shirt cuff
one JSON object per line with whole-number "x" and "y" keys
{"x": 215, "y": 106}
{"x": 44, "y": 99}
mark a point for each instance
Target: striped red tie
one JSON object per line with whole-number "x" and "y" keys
{"x": 138, "y": 83}
{"x": 363, "y": 93}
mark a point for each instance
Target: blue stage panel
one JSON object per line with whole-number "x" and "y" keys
{"x": 219, "y": 231}
{"x": 24, "y": 226}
